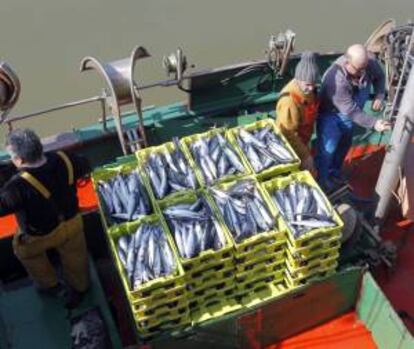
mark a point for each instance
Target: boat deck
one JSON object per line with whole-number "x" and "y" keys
{"x": 397, "y": 283}
{"x": 344, "y": 332}
{"x": 31, "y": 320}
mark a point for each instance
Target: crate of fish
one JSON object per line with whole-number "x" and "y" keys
{"x": 253, "y": 284}
{"x": 217, "y": 159}
{"x": 201, "y": 240}
{"x": 214, "y": 310}
{"x": 267, "y": 268}
{"x": 162, "y": 317}
{"x": 306, "y": 210}
{"x": 213, "y": 298}
{"x": 148, "y": 331}
{"x": 265, "y": 292}
{"x": 293, "y": 281}
{"x": 312, "y": 267}
{"x": 146, "y": 259}
{"x": 157, "y": 300}
{"x": 216, "y": 289}
{"x": 313, "y": 260}
{"x": 265, "y": 148}
{"x": 318, "y": 247}
{"x": 168, "y": 170}
{"x": 210, "y": 281}
{"x": 252, "y": 225}
{"x": 249, "y": 264}
{"x": 122, "y": 194}
{"x": 259, "y": 250}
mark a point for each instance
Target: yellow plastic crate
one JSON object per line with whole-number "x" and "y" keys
{"x": 261, "y": 271}
{"x": 211, "y": 280}
{"x": 318, "y": 274}
{"x": 162, "y": 314}
{"x": 316, "y": 253}
{"x": 187, "y": 141}
{"x": 154, "y": 287}
{"x": 313, "y": 267}
{"x": 208, "y": 295}
{"x": 313, "y": 248}
{"x": 154, "y": 301}
{"x": 217, "y": 299}
{"x": 214, "y": 311}
{"x": 210, "y": 270}
{"x": 315, "y": 234}
{"x": 142, "y": 156}
{"x": 257, "y": 284}
{"x": 261, "y": 239}
{"x": 223, "y": 266}
{"x": 105, "y": 174}
{"x": 314, "y": 260}
{"x": 272, "y": 251}
{"x": 208, "y": 259}
{"x": 273, "y": 170}
{"x": 250, "y": 264}
{"x": 147, "y": 333}
{"x": 264, "y": 293}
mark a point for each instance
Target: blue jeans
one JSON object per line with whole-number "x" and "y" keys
{"x": 334, "y": 132}
{"x": 334, "y": 139}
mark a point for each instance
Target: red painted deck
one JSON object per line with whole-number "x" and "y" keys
{"x": 344, "y": 332}
{"x": 397, "y": 284}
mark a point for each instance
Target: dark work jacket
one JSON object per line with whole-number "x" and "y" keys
{"x": 35, "y": 214}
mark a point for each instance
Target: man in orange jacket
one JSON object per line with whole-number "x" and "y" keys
{"x": 297, "y": 108}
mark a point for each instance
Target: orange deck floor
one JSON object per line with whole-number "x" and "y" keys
{"x": 344, "y": 332}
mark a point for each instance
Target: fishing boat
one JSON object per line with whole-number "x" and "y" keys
{"x": 367, "y": 303}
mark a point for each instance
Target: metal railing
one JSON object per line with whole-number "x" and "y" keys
{"x": 101, "y": 99}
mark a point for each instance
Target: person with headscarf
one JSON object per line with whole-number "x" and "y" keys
{"x": 297, "y": 108}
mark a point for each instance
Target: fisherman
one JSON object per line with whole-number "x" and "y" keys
{"x": 297, "y": 107}
{"x": 43, "y": 196}
{"x": 345, "y": 90}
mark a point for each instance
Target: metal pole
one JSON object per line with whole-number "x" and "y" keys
{"x": 395, "y": 156}
{"x": 52, "y": 109}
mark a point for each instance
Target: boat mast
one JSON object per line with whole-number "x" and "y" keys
{"x": 395, "y": 155}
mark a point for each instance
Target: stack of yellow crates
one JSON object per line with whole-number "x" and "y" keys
{"x": 241, "y": 273}
{"x": 316, "y": 252}
{"x": 259, "y": 259}
{"x": 209, "y": 276}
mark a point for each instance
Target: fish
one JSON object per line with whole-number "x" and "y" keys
{"x": 243, "y": 210}
{"x": 216, "y": 157}
{"x": 124, "y": 198}
{"x": 169, "y": 171}
{"x": 194, "y": 227}
{"x": 264, "y": 148}
{"x": 303, "y": 207}
{"x": 149, "y": 255}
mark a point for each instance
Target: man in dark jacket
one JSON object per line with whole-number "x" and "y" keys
{"x": 344, "y": 91}
{"x": 43, "y": 196}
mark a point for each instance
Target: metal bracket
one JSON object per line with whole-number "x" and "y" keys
{"x": 122, "y": 89}
{"x": 176, "y": 63}
{"x": 9, "y": 89}
{"x": 279, "y": 50}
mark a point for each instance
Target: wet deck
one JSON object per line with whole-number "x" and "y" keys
{"x": 31, "y": 320}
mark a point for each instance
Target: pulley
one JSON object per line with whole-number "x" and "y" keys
{"x": 175, "y": 63}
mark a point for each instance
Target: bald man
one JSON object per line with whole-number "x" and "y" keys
{"x": 345, "y": 90}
